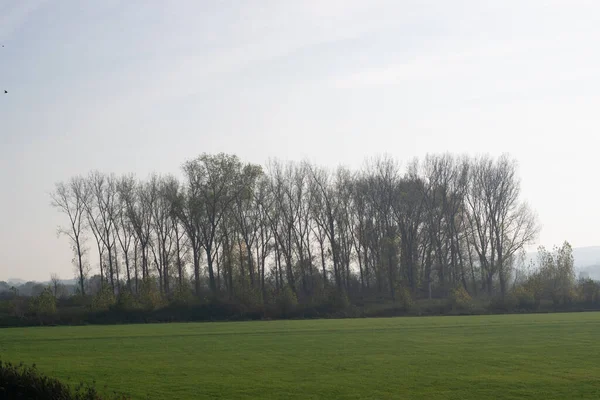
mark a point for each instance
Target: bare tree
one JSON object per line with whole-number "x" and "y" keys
{"x": 325, "y": 211}
{"x": 502, "y": 225}
{"x": 187, "y": 208}
{"x": 282, "y": 217}
{"x": 214, "y": 181}
{"x": 56, "y": 285}
{"x": 71, "y": 199}
{"x": 383, "y": 181}
{"x": 139, "y": 211}
{"x": 262, "y": 203}
{"x": 408, "y": 206}
{"x": 247, "y": 215}
{"x": 162, "y": 224}
{"x": 442, "y": 223}
{"x": 124, "y": 229}
{"x": 102, "y": 210}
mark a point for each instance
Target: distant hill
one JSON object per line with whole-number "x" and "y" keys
{"x": 19, "y": 282}
{"x": 587, "y": 261}
{"x": 592, "y": 271}
{"x": 586, "y": 256}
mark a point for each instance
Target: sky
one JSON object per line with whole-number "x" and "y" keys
{"x": 142, "y": 86}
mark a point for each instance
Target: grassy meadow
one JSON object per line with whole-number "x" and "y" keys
{"x": 543, "y": 356}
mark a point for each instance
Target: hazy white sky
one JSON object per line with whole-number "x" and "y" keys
{"x": 141, "y": 86}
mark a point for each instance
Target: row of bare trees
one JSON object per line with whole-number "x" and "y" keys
{"x": 443, "y": 222}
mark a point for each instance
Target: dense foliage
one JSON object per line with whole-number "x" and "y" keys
{"x": 25, "y": 382}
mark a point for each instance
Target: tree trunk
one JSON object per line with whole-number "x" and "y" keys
{"x": 218, "y": 262}
{"x": 322, "y": 245}
{"x": 135, "y": 267}
{"x": 250, "y": 263}
{"x": 241, "y": 260}
{"x": 127, "y": 270}
{"x": 118, "y": 286}
{"x": 179, "y": 265}
{"x": 278, "y": 282}
{"x": 80, "y": 264}
{"x": 196, "y": 257}
{"x": 110, "y": 268}
{"x": 144, "y": 260}
{"x": 165, "y": 261}
{"x": 211, "y": 274}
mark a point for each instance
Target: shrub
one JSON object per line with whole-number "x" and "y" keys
{"x": 24, "y": 382}
{"x": 126, "y": 301}
{"x": 182, "y": 296}
{"x": 76, "y": 300}
{"x": 150, "y": 297}
{"x": 460, "y": 299}
{"x": 18, "y": 306}
{"x": 508, "y": 302}
{"x": 404, "y": 298}
{"x": 44, "y": 304}
{"x": 562, "y": 296}
{"x": 286, "y": 301}
{"x": 588, "y": 291}
{"x": 248, "y": 296}
{"x": 535, "y": 286}
{"x": 525, "y": 298}
{"x": 338, "y": 300}
{"x": 104, "y": 299}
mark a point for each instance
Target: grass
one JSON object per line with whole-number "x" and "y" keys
{"x": 544, "y": 356}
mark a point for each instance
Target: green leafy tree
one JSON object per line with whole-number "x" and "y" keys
{"x": 557, "y": 272}
{"x": 460, "y": 299}
{"x": 43, "y": 305}
{"x": 104, "y": 299}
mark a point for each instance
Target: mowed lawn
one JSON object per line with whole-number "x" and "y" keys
{"x": 549, "y": 356}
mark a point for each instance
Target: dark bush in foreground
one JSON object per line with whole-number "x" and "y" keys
{"x": 24, "y": 382}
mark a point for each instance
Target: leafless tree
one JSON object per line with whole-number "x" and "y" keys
{"x": 102, "y": 210}
{"x": 70, "y": 199}
{"x": 214, "y": 181}
{"x": 166, "y": 189}
{"x": 247, "y": 215}
{"x": 325, "y": 211}
{"x": 442, "y": 223}
{"x": 501, "y": 224}
{"x": 124, "y": 230}
{"x": 56, "y": 285}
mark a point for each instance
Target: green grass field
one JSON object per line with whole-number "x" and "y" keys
{"x": 549, "y": 356}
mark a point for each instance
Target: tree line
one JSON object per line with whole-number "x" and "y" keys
{"x": 249, "y": 232}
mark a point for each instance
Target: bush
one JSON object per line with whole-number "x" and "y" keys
{"x": 76, "y": 300}
{"x": 504, "y": 304}
{"x": 150, "y": 297}
{"x": 43, "y": 305}
{"x": 182, "y": 296}
{"x": 126, "y": 302}
{"x": 338, "y": 300}
{"x": 562, "y": 296}
{"x": 286, "y": 301}
{"x": 18, "y": 307}
{"x": 404, "y": 299}
{"x": 525, "y": 298}
{"x": 104, "y": 299}
{"x": 460, "y": 299}
{"x": 23, "y": 382}
{"x": 248, "y": 296}
{"x": 588, "y": 291}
